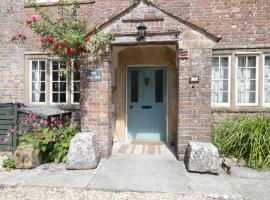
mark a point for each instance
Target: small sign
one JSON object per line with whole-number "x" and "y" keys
{"x": 194, "y": 79}
{"x": 94, "y": 75}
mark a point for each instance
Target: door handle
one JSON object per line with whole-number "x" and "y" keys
{"x": 146, "y": 107}
{"x": 130, "y": 107}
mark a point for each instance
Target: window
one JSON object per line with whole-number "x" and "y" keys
{"x": 220, "y": 80}
{"x": 246, "y": 86}
{"x": 38, "y": 81}
{"x": 159, "y": 86}
{"x": 267, "y": 79}
{"x": 58, "y": 83}
{"x": 47, "y": 86}
{"x": 134, "y": 86}
{"x": 75, "y": 86}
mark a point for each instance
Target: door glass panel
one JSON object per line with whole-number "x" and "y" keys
{"x": 159, "y": 86}
{"x": 134, "y": 86}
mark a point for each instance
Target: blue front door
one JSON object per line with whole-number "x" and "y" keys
{"x": 147, "y": 103}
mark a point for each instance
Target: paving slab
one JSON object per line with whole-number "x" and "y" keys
{"x": 141, "y": 173}
{"x": 251, "y": 189}
{"x": 243, "y": 172}
{"x": 212, "y": 185}
{"x": 49, "y": 175}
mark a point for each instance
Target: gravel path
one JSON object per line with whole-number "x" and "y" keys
{"x": 38, "y": 193}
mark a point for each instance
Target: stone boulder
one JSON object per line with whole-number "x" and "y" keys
{"x": 26, "y": 157}
{"x": 82, "y": 153}
{"x": 202, "y": 157}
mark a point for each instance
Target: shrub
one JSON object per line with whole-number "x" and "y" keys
{"x": 245, "y": 137}
{"x": 9, "y": 163}
{"x": 51, "y": 144}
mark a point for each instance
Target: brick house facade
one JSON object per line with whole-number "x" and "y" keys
{"x": 225, "y": 44}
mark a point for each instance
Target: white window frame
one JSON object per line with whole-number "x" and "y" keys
{"x": 229, "y": 82}
{"x": 72, "y": 89}
{"x": 246, "y": 54}
{"x": 51, "y": 90}
{"x": 264, "y": 103}
{"x": 31, "y": 79}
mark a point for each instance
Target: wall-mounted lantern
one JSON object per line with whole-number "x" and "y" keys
{"x": 141, "y": 31}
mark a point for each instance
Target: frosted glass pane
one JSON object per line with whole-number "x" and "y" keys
{"x": 214, "y": 97}
{"x": 267, "y": 85}
{"x": 267, "y": 61}
{"x": 267, "y": 97}
{"x": 215, "y": 62}
{"x": 241, "y": 97}
{"x": 267, "y": 72}
{"x": 251, "y": 97}
{"x": 223, "y": 85}
{"x": 215, "y": 86}
{"x": 241, "y": 73}
{"x": 251, "y": 73}
{"x": 36, "y": 76}
{"x": 224, "y": 73}
{"x": 215, "y": 73}
{"x": 224, "y": 62}
{"x": 252, "y": 61}
{"x": 224, "y": 97}
{"x": 34, "y": 65}
{"x": 251, "y": 85}
{"x": 241, "y": 86}
{"x": 241, "y": 61}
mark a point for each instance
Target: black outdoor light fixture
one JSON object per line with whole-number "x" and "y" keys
{"x": 141, "y": 31}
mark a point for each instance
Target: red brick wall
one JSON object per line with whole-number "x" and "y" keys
{"x": 194, "y": 100}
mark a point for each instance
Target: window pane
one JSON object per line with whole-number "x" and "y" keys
{"x": 224, "y": 97}
{"x": 34, "y": 65}
{"x": 267, "y": 79}
{"x": 252, "y": 61}
{"x": 220, "y": 82}
{"x": 63, "y": 87}
{"x": 76, "y": 86}
{"x": 38, "y": 84}
{"x": 242, "y": 61}
{"x": 252, "y": 97}
{"x": 224, "y": 73}
{"x": 55, "y": 65}
{"x": 246, "y": 83}
{"x": 251, "y": 73}
{"x": 224, "y": 62}
{"x": 251, "y": 86}
{"x": 63, "y": 98}
{"x": 38, "y": 97}
{"x": 42, "y": 65}
{"x": 76, "y": 97}
{"x": 55, "y": 98}
{"x": 134, "y": 86}
{"x": 223, "y": 86}
{"x": 215, "y": 74}
{"x": 159, "y": 86}
{"x": 55, "y": 87}
{"x": 55, "y": 76}
{"x": 215, "y": 62}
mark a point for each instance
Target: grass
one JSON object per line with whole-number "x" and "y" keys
{"x": 245, "y": 137}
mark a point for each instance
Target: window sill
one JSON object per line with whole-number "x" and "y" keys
{"x": 48, "y": 4}
{"x": 246, "y": 109}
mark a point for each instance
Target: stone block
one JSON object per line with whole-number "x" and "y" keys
{"x": 26, "y": 157}
{"x": 82, "y": 153}
{"x": 202, "y": 157}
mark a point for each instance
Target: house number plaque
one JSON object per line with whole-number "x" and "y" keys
{"x": 94, "y": 75}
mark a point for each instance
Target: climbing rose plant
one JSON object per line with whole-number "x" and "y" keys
{"x": 65, "y": 37}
